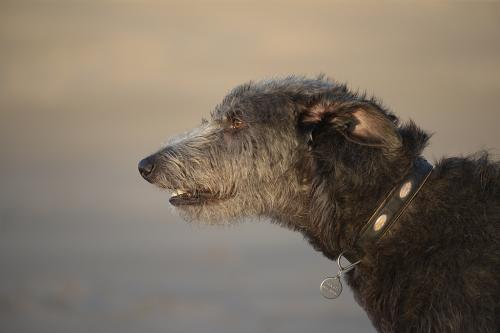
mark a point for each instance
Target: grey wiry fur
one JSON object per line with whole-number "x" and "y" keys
{"x": 317, "y": 158}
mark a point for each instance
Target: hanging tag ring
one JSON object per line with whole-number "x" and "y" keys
{"x": 349, "y": 267}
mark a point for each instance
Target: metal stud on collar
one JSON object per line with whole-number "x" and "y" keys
{"x": 405, "y": 189}
{"x": 380, "y": 222}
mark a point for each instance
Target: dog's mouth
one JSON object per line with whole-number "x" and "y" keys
{"x": 196, "y": 197}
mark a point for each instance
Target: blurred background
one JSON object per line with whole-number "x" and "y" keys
{"x": 88, "y": 88}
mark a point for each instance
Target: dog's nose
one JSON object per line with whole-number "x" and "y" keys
{"x": 146, "y": 166}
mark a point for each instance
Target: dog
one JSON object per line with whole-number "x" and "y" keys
{"x": 315, "y": 157}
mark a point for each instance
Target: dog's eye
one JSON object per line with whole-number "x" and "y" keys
{"x": 236, "y": 123}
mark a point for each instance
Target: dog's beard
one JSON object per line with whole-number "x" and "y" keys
{"x": 212, "y": 213}
{"x": 224, "y": 212}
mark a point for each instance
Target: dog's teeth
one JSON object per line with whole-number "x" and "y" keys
{"x": 177, "y": 192}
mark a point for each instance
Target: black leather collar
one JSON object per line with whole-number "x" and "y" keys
{"x": 390, "y": 210}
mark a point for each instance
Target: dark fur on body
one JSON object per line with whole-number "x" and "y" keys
{"x": 319, "y": 159}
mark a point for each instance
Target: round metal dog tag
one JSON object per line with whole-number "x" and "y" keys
{"x": 331, "y": 287}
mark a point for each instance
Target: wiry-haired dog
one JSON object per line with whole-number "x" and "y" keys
{"x": 317, "y": 158}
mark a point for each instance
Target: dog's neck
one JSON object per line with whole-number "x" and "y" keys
{"x": 336, "y": 229}
{"x": 391, "y": 208}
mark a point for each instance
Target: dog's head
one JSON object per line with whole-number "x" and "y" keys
{"x": 269, "y": 146}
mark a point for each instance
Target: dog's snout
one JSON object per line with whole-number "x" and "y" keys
{"x": 146, "y": 166}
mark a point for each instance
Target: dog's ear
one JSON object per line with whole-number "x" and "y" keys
{"x": 361, "y": 123}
